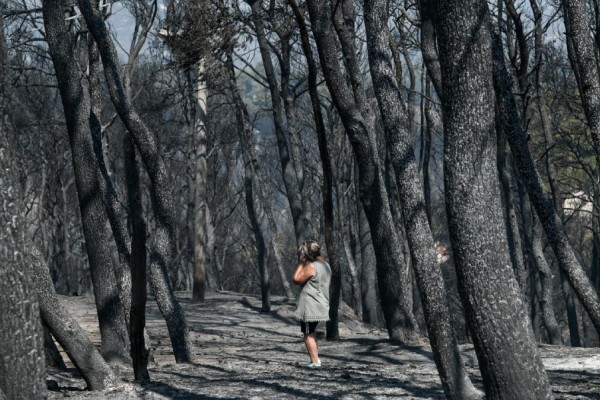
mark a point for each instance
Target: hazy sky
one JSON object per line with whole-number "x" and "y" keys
{"x": 122, "y": 23}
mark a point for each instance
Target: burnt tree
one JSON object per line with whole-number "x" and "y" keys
{"x": 509, "y": 361}
{"x": 453, "y": 374}
{"x": 76, "y": 104}
{"x": 161, "y": 253}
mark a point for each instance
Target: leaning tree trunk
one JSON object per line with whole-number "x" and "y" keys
{"x": 76, "y": 103}
{"x": 453, "y": 374}
{"x": 107, "y": 190}
{"x": 162, "y": 199}
{"x": 335, "y": 288}
{"x": 290, "y": 178}
{"x": 581, "y": 50}
{"x": 539, "y": 197}
{"x": 71, "y": 337}
{"x": 53, "y": 357}
{"x": 393, "y": 284}
{"x": 545, "y": 274}
{"x": 546, "y": 301}
{"x": 512, "y": 224}
{"x": 285, "y": 33}
{"x": 508, "y": 358}
{"x": 584, "y": 62}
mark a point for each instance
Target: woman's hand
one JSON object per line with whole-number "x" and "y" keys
{"x": 303, "y": 272}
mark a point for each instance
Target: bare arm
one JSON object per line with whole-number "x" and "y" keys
{"x": 303, "y": 272}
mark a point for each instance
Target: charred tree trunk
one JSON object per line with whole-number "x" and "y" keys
{"x": 53, "y": 357}
{"x": 545, "y": 274}
{"x": 428, "y": 45}
{"x": 290, "y": 178}
{"x": 76, "y": 104}
{"x": 546, "y": 301}
{"x": 541, "y": 200}
{"x": 368, "y": 274}
{"x": 162, "y": 200}
{"x": 327, "y": 189}
{"x": 137, "y": 266}
{"x": 582, "y": 54}
{"x": 22, "y": 365}
{"x": 285, "y": 32}
{"x": 249, "y": 159}
{"x": 343, "y": 223}
{"x": 279, "y": 259}
{"x": 427, "y": 143}
{"x": 107, "y": 190}
{"x": 509, "y": 361}
{"x": 512, "y": 224}
{"x": 453, "y": 374}
{"x": 86, "y": 358}
{"x": 400, "y": 321}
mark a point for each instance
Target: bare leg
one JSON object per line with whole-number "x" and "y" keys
{"x": 310, "y": 341}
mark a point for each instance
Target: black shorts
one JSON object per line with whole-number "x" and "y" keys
{"x": 308, "y": 327}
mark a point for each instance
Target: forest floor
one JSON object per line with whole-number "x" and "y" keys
{"x": 243, "y": 354}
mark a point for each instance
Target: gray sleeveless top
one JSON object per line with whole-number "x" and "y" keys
{"x": 313, "y": 300}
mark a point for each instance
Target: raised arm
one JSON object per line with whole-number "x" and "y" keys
{"x": 303, "y": 272}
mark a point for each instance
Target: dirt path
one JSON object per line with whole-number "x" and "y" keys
{"x": 242, "y": 354}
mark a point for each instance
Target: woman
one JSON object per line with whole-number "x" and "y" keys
{"x": 314, "y": 275}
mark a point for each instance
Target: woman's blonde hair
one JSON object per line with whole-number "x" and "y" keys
{"x": 309, "y": 249}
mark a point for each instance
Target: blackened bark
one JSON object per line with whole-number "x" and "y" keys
{"x": 161, "y": 254}
{"x": 427, "y": 143}
{"x": 546, "y": 300}
{"x": 137, "y": 265}
{"x": 22, "y": 365}
{"x": 74, "y": 341}
{"x": 343, "y": 17}
{"x": 285, "y": 30}
{"x": 584, "y": 62}
{"x": 582, "y": 56}
{"x": 400, "y": 321}
{"x": 428, "y": 45}
{"x": 279, "y": 259}
{"x": 53, "y": 357}
{"x": 76, "y": 104}
{"x": 539, "y": 197}
{"x": 244, "y": 129}
{"x": 508, "y": 357}
{"x": 14, "y": 247}
{"x": 345, "y": 236}
{"x": 107, "y": 190}
{"x": 512, "y": 224}
{"x": 453, "y": 374}
{"x": 327, "y": 189}
{"x": 290, "y": 179}
{"x": 546, "y": 303}
{"x": 368, "y": 272}
{"x": 412, "y": 79}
